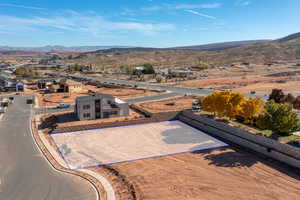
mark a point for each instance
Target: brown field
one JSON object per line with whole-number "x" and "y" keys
{"x": 123, "y": 93}
{"x": 266, "y": 88}
{"x": 216, "y": 175}
{"x": 50, "y": 100}
{"x": 233, "y": 81}
{"x": 53, "y": 99}
{"x": 172, "y": 104}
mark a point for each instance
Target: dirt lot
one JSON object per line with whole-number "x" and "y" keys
{"x": 53, "y": 99}
{"x": 216, "y": 175}
{"x": 123, "y": 93}
{"x": 266, "y": 88}
{"x": 172, "y": 104}
{"x": 233, "y": 81}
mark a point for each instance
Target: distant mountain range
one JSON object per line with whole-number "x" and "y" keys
{"x": 107, "y": 49}
{"x": 257, "y": 51}
{"x": 254, "y": 51}
{"x": 59, "y": 48}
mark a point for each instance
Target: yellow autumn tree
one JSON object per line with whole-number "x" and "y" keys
{"x": 224, "y": 103}
{"x": 251, "y": 109}
{"x": 209, "y": 103}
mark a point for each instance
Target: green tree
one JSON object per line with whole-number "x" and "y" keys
{"x": 148, "y": 69}
{"x": 280, "y": 118}
{"x": 20, "y": 72}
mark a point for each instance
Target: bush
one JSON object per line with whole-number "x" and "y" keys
{"x": 279, "y": 118}
{"x": 159, "y": 79}
{"x": 148, "y": 69}
{"x": 250, "y": 109}
{"x": 277, "y": 95}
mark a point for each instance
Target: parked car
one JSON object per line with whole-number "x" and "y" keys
{"x": 63, "y": 105}
{"x": 29, "y": 101}
{"x": 295, "y": 143}
{"x": 196, "y": 106}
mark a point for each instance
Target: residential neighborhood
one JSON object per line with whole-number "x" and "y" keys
{"x": 149, "y": 100}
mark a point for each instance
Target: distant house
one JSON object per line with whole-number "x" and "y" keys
{"x": 180, "y": 73}
{"x": 71, "y": 86}
{"x": 100, "y": 106}
{"x": 55, "y": 88}
{"x": 20, "y": 87}
{"x": 163, "y": 72}
{"x": 43, "y": 84}
{"x": 140, "y": 68}
{"x": 8, "y": 84}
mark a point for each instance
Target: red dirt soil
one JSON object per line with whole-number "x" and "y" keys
{"x": 218, "y": 175}
{"x": 180, "y": 103}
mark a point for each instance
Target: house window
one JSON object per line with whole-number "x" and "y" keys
{"x": 110, "y": 113}
{"x": 85, "y": 107}
{"x": 86, "y": 115}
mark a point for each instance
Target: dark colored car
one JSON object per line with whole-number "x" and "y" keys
{"x": 29, "y": 101}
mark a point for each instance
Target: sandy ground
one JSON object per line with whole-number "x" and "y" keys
{"x": 123, "y": 93}
{"x": 266, "y": 88}
{"x": 172, "y": 104}
{"x": 53, "y": 99}
{"x": 232, "y": 81}
{"x": 225, "y": 174}
{"x": 83, "y": 149}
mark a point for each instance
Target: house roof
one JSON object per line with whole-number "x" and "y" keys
{"x": 69, "y": 82}
{"x": 94, "y": 96}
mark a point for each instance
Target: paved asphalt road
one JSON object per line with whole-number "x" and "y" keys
{"x": 152, "y": 98}
{"x": 24, "y": 172}
{"x": 174, "y": 89}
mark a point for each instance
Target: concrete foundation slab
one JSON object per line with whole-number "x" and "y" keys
{"x": 91, "y": 148}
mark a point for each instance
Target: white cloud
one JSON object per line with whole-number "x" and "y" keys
{"x": 79, "y": 23}
{"x": 152, "y": 8}
{"x": 243, "y": 3}
{"x": 180, "y": 7}
{"x": 21, "y": 6}
{"x": 127, "y": 12}
{"x": 200, "y": 14}
{"x": 195, "y": 6}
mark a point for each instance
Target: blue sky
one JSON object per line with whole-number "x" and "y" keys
{"x": 152, "y": 23}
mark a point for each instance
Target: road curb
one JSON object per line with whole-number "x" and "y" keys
{"x": 96, "y": 183}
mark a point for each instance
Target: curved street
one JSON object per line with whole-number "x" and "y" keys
{"x": 24, "y": 172}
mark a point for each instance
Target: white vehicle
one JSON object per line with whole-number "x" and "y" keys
{"x": 2, "y": 110}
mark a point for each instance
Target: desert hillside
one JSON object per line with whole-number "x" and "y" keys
{"x": 287, "y": 48}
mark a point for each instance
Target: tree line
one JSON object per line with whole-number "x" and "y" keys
{"x": 278, "y": 117}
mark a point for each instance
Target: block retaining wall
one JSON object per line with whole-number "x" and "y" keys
{"x": 269, "y": 147}
{"x": 160, "y": 117}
